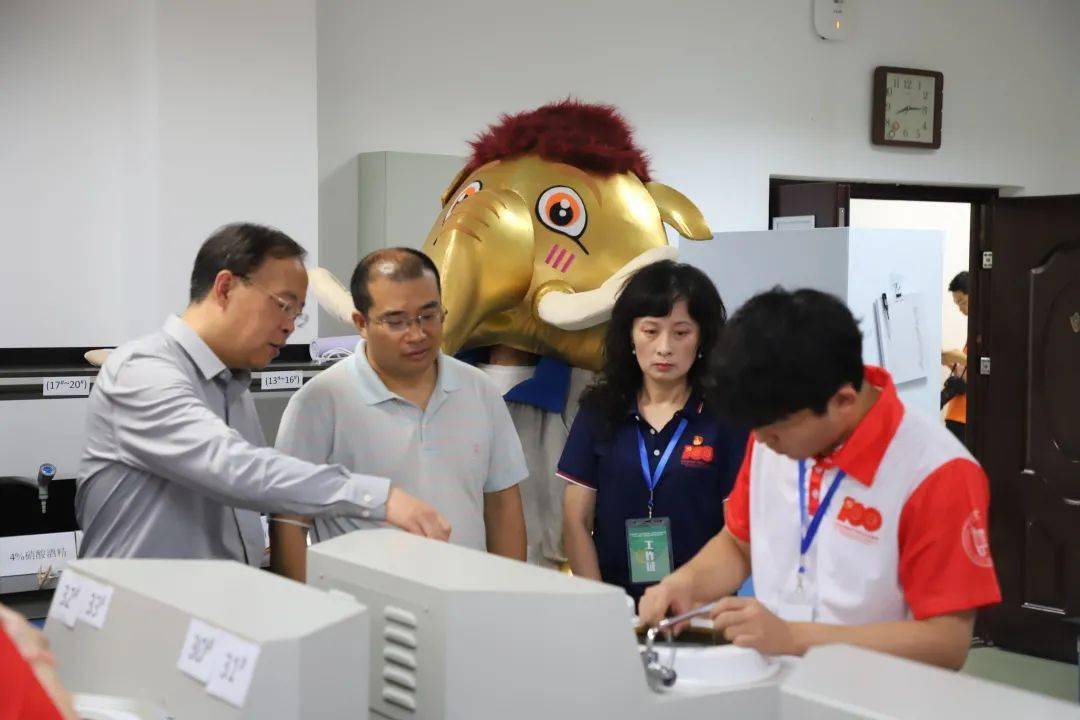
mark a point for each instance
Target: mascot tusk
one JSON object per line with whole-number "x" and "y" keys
{"x": 577, "y": 311}
{"x": 331, "y": 295}
{"x": 98, "y": 357}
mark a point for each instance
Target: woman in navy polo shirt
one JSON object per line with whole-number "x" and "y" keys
{"x": 647, "y": 463}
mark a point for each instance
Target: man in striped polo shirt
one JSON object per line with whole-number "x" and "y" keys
{"x": 862, "y": 523}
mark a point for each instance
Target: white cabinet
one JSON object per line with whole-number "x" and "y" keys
{"x": 856, "y": 265}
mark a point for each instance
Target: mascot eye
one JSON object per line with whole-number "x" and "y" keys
{"x": 466, "y": 192}
{"x": 561, "y": 209}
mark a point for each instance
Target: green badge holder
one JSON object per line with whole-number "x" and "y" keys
{"x": 648, "y": 543}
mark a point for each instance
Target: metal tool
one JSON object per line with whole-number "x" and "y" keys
{"x": 658, "y": 675}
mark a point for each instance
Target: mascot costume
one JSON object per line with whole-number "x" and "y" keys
{"x": 537, "y": 233}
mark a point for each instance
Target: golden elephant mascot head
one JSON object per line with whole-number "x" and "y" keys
{"x": 555, "y": 208}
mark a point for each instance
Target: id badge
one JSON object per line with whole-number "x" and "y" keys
{"x": 648, "y": 544}
{"x": 797, "y": 604}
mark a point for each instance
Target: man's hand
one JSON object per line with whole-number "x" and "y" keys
{"x": 415, "y": 516}
{"x": 747, "y": 623}
{"x": 674, "y": 593}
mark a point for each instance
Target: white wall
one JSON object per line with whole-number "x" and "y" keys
{"x": 238, "y": 132}
{"x": 78, "y": 170}
{"x": 131, "y": 130}
{"x": 723, "y": 94}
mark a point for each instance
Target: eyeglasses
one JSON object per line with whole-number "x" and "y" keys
{"x": 427, "y": 321}
{"x": 288, "y": 308}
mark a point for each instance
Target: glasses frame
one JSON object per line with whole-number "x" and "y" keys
{"x": 417, "y": 320}
{"x": 299, "y": 318}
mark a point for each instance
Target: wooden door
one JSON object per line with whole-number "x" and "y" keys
{"x": 828, "y": 202}
{"x": 1027, "y": 434}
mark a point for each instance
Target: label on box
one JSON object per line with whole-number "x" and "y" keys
{"x": 234, "y": 668}
{"x": 197, "y": 654}
{"x": 96, "y": 598}
{"x": 219, "y": 660}
{"x": 32, "y": 554}
{"x": 289, "y": 380}
{"x": 65, "y": 386}
{"x": 67, "y": 599}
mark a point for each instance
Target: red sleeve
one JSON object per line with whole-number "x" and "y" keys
{"x": 21, "y": 696}
{"x": 737, "y": 505}
{"x": 945, "y": 562}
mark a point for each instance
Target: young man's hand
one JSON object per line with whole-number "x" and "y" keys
{"x": 416, "y": 516}
{"x": 747, "y": 623}
{"x": 674, "y": 593}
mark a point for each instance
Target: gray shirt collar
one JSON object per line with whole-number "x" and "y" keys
{"x": 373, "y": 390}
{"x": 209, "y": 364}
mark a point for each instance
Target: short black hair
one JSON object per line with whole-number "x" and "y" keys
{"x": 653, "y": 291}
{"x": 240, "y": 248}
{"x": 961, "y": 283}
{"x": 784, "y": 352}
{"x": 408, "y": 264}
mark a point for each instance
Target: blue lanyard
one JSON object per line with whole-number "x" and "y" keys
{"x": 807, "y": 539}
{"x": 653, "y": 479}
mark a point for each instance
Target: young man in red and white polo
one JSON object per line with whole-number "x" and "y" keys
{"x": 862, "y": 523}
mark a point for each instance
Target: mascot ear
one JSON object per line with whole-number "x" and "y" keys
{"x": 458, "y": 179}
{"x": 679, "y": 212}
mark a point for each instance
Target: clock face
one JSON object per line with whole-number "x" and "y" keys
{"x": 909, "y": 107}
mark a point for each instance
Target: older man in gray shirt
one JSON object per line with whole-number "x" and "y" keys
{"x": 175, "y": 463}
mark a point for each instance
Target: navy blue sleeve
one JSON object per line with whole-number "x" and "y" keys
{"x": 734, "y": 452}
{"x": 578, "y": 463}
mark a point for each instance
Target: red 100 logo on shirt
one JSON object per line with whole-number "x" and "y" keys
{"x": 857, "y": 515}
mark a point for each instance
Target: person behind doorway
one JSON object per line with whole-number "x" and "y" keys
{"x": 647, "y": 462}
{"x": 954, "y": 393}
{"x": 863, "y": 523}
{"x": 175, "y": 463}
{"x": 400, "y": 408}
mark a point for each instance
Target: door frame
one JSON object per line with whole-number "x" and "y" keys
{"x": 980, "y": 199}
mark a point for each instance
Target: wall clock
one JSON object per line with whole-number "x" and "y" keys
{"x": 906, "y": 107}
